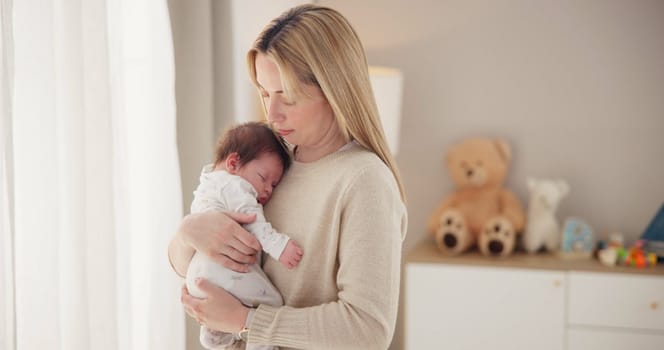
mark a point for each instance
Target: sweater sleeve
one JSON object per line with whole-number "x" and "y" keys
{"x": 241, "y": 197}
{"x": 371, "y": 230}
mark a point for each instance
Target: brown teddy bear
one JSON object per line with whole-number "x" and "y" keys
{"x": 480, "y": 211}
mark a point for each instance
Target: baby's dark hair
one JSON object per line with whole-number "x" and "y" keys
{"x": 250, "y": 140}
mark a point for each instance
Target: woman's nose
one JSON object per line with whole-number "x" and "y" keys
{"x": 274, "y": 113}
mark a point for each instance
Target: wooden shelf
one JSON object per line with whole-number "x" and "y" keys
{"x": 427, "y": 253}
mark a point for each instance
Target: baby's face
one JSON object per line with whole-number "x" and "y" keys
{"x": 263, "y": 173}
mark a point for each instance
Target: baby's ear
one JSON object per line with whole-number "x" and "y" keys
{"x": 233, "y": 163}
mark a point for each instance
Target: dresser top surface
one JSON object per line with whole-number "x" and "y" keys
{"x": 426, "y": 253}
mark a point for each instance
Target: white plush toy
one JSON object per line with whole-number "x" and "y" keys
{"x": 542, "y": 227}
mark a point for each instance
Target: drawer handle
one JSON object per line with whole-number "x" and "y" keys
{"x": 654, "y": 305}
{"x": 557, "y": 283}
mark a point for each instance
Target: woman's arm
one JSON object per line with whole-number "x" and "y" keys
{"x": 179, "y": 252}
{"x": 217, "y": 235}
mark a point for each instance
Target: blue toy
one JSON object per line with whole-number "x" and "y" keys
{"x": 654, "y": 235}
{"x": 577, "y": 238}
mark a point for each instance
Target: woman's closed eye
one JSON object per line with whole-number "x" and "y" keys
{"x": 266, "y": 96}
{"x": 287, "y": 101}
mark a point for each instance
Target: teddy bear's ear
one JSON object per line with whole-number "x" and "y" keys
{"x": 503, "y": 149}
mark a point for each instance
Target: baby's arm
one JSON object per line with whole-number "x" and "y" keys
{"x": 241, "y": 197}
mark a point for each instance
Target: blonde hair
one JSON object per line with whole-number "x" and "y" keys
{"x": 317, "y": 46}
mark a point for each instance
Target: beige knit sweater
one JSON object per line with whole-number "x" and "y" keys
{"x": 346, "y": 212}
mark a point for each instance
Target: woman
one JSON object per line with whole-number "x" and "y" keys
{"x": 342, "y": 199}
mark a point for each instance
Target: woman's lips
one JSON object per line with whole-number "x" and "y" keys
{"x": 283, "y": 132}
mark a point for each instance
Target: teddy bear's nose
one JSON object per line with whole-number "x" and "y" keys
{"x": 496, "y": 247}
{"x": 469, "y": 172}
{"x": 450, "y": 240}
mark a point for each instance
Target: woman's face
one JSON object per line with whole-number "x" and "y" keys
{"x": 307, "y": 122}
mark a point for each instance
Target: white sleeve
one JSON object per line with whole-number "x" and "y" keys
{"x": 241, "y": 197}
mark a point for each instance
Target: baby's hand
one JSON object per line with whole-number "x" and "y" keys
{"x": 291, "y": 255}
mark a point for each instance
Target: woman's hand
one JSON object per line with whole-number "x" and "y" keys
{"x": 217, "y": 235}
{"x": 219, "y": 311}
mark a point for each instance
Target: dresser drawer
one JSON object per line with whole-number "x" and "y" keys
{"x": 471, "y": 307}
{"x": 616, "y": 300}
{"x": 583, "y": 339}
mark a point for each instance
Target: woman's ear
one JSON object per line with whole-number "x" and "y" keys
{"x": 233, "y": 163}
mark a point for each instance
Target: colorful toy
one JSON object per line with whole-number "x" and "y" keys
{"x": 615, "y": 254}
{"x": 480, "y": 211}
{"x": 616, "y": 239}
{"x": 608, "y": 256}
{"x": 542, "y": 227}
{"x": 638, "y": 258}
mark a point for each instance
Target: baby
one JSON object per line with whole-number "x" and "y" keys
{"x": 250, "y": 160}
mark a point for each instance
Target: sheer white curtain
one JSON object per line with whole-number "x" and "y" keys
{"x": 94, "y": 177}
{"x": 6, "y": 222}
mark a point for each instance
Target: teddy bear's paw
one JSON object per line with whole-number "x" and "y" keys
{"x": 452, "y": 235}
{"x": 497, "y": 238}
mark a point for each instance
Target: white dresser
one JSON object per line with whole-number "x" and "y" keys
{"x": 529, "y": 302}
